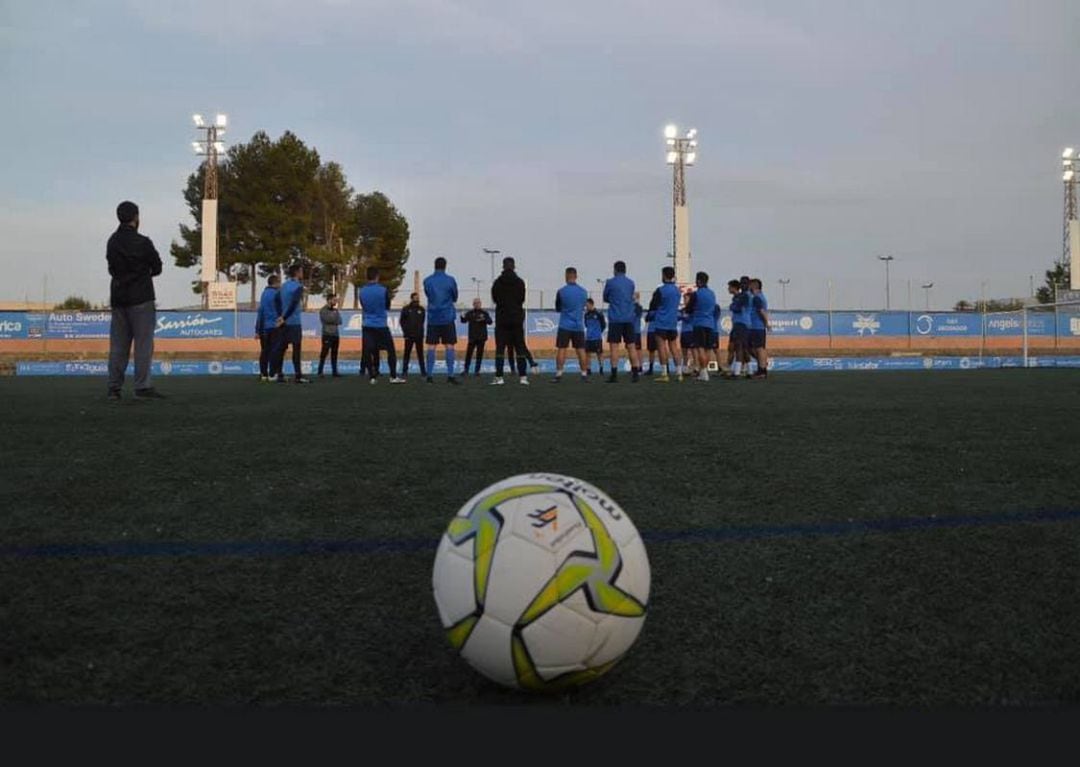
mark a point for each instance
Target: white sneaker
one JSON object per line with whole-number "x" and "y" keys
{"x": 524, "y": 381}
{"x": 397, "y": 380}
{"x": 703, "y": 375}
{"x": 373, "y": 380}
{"x": 497, "y": 382}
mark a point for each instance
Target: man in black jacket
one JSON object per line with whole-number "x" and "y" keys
{"x": 412, "y": 328}
{"x": 133, "y": 263}
{"x": 508, "y": 293}
{"x": 477, "y": 319}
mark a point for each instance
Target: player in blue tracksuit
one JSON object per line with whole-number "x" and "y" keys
{"x": 701, "y": 308}
{"x": 623, "y": 313}
{"x": 664, "y": 309}
{"x": 442, "y": 295}
{"x": 292, "y": 332}
{"x": 738, "y": 354}
{"x": 266, "y": 326}
{"x": 570, "y": 304}
{"x": 759, "y": 324}
{"x": 375, "y": 301}
{"x": 594, "y": 336}
{"x": 686, "y": 336}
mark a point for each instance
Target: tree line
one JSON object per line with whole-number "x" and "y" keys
{"x": 278, "y": 204}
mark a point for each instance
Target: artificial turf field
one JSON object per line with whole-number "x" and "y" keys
{"x": 898, "y": 539}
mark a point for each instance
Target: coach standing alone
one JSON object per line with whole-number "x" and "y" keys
{"x": 133, "y": 264}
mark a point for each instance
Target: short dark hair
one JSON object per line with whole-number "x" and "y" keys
{"x": 414, "y": 296}
{"x": 127, "y": 212}
{"x": 590, "y": 301}
{"x": 440, "y": 263}
{"x": 331, "y": 297}
{"x": 702, "y": 278}
{"x": 372, "y": 272}
{"x": 755, "y": 281}
{"x": 733, "y": 283}
{"x": 620, "y": 267}
{"x": 294, "y": 268}
{"x": 571, "y": 270}
{"x": 273, "y": 280}
{"x": 508, "y": 262}
{"x": 668, "y": 272}
{"x": 744, "y": 281}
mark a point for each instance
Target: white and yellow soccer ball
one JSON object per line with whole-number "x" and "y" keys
{"x": 541, "y": 581}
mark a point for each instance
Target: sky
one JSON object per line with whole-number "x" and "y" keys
{"x": 830, "y": 133}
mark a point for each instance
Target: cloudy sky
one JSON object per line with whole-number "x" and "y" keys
{"x": 830, "y": 131}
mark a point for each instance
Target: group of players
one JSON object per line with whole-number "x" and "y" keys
{"x": 682, "y": 327}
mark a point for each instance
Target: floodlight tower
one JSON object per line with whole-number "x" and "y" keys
{"x": 1070, "y": 240}
{"x": 681, "y": 152}
{"x": 886, "y": 259}
{"x": 210, "y": 148}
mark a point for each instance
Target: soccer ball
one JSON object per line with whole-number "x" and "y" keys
{"x": 541, "y": 581}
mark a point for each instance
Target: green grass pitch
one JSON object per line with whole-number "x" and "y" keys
{"x": 908, "y": 539}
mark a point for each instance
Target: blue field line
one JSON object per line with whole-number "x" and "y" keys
{"x": 125, "y": 549}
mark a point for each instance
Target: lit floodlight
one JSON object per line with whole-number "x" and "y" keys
{"x": 670, "y": 131}
{"x": 197, "y": 146}
{"x": 691, "y": 133}
{"x": 219, "y": 146}
{"x": 221, "y": 121}
{"x": 198, "y": 120}
{"x": 671, "y": 157}
{"x": 693, "y": 143}
{"x": 691, "y": 158}
{"x": 1067, "y": 175}
{"x": 671, "y": 142}
{"x": 1068, "y": 153}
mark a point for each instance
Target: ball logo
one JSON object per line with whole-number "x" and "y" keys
{"x": 725, "y": 324}
{"x": 215, "y": 368}
{"x": 544, "y": 517}
{"x": 356, "y": 322}
{"x": 166, "y": 368}
{"x": 924, "y": 324}
{"x": 806, "y": 322}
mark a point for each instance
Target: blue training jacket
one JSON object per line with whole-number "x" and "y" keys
{"x": 442, "y": 293}
{"x": 619, "y": 296}
{"x": 375, "y": 301}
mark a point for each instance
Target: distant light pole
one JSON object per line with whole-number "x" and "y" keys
{"x": 209, "y": 148}
{"x": 681, "y": 153}
{"x": 783, "y": 291}
{"x": 926, "y": 286}
{"x": 492, "y": 253}
{"x": 477, "y": 283}
{"x": 886, "y": 259}
{"x": 1070, "y": 245}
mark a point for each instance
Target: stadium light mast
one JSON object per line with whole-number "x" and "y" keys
{"x": 886, "y": 259}
{"x": 477, "y": 282}
{"x": 492, "y": 253}
{"x": 784, "y": 282}
{"x": 210, "y": 148}
{"x": 926, "y": 286}
{"x": 681, "y": 153}
{"x": 1070, "y": 240}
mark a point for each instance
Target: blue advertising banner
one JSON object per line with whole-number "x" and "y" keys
{"x": 195, "y": 325}
{"x": 1069, "y": 325}
{"x": 13, "y": 325}
{"x": 1012, "y": 324}
{"x": 869, "y": 324}
{"x": 352, "y": 367}
{"x": 946, "y": 324}
{"x": 78, "y": 325}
